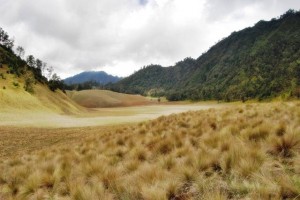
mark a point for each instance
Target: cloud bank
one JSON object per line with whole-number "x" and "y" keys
{"x": 121, "y": 36}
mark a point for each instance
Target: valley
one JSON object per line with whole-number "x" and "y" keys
{"x": 223, "y": 126}
{"x": 244, "y": 150}
{"x": 97, "y": 116}
{"x": 105, "y": 98}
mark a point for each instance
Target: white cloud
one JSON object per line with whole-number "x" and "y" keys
{"x": 121, "y": 36}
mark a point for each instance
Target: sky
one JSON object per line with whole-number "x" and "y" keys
{"x": 122, "y": 36}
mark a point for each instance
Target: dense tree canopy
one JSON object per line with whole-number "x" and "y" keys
{"x": 5, "y": 41}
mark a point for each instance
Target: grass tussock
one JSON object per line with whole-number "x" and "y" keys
{"x": 248, "y": 151}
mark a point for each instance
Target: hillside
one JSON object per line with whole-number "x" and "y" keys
{"x": 99, "y": 77}
{"x": 105, "y": 98}
{"x": 23, "y": 88}
{"x": 13, "y": 97}
{"x": 258, "y": 62}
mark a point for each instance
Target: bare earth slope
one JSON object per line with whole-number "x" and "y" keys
{"x": 105, "y": 98}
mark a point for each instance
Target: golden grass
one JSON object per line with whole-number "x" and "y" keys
{"x": 20, "y": 140}
{"x": 106, "y": 98}
{"x": 250, "y": 151}
{"x": 14, "y": 98}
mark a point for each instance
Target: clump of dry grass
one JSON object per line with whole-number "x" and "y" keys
{"x": 286, "y": 146}
{"x": 246, "y": 152}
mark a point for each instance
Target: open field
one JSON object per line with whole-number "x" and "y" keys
{"x": 44, "y": 108}
{"x": 106, "y": 98}
{"x": 94, "y": 117}
{"x": 249, "y": 151}
{"x": 241, "y": 143}
{"x": 33, "y": 130}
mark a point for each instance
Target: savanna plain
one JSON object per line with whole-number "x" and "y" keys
{"x": 90, "y": 140}
{"x": 217, "y": 151}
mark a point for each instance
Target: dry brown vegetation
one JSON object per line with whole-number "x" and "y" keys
{"x": 249, "y": 151}
{"x": 106, "y": 98}
{"x": 19, "y": 140}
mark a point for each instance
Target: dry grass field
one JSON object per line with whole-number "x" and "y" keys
{"x": 249, "y": 151}
{"x": 22, "y": 140}
{"x": 106, "y": 98}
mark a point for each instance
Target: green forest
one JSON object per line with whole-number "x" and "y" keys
{"x": 259, "y": 62}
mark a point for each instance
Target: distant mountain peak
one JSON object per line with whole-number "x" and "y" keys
{"x": 100, "y": 77}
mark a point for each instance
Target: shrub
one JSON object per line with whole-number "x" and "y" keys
{"x": 16, "y": 84}
{"x": 28, "y": 86}
{"x": 285, "y": 145}
{"x": 2, "y": 76}
{"x": 164, "y": 147}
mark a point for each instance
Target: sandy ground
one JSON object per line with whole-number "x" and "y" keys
{"x": 96, "y": 117}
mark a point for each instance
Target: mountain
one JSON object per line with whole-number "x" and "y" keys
{"x": 100, "y": 77}
{"x": 258, "y": 62}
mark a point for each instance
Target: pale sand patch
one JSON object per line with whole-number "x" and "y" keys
{"x": 96, "y": 117}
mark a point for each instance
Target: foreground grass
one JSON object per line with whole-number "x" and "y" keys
{"x": 249, "y": 151}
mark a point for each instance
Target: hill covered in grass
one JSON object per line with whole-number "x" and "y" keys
{"x": 258, "y": 62}
{"x": 14, "y": 98}
{"x": 241, "y": 152}
{"x": 99, "y": 77}
{"x": 23, "y": 87}
{"x": 31, "y": 69}
{"x": 105, "y": 98}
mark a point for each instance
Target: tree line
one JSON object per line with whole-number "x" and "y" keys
{"x": 259, "y": 62}
{"x": 20, "y": 65}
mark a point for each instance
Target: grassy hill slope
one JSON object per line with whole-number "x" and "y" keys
{"x": 105, "y": 98}
{"x": 258, "y": 62}
{"x": 23, "y": 87}
{"x": 14, "y": 98}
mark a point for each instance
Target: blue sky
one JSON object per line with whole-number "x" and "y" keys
{"x": 143, "y": 2}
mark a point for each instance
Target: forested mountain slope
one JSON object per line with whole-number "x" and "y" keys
{"x": 259, "y": 62}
